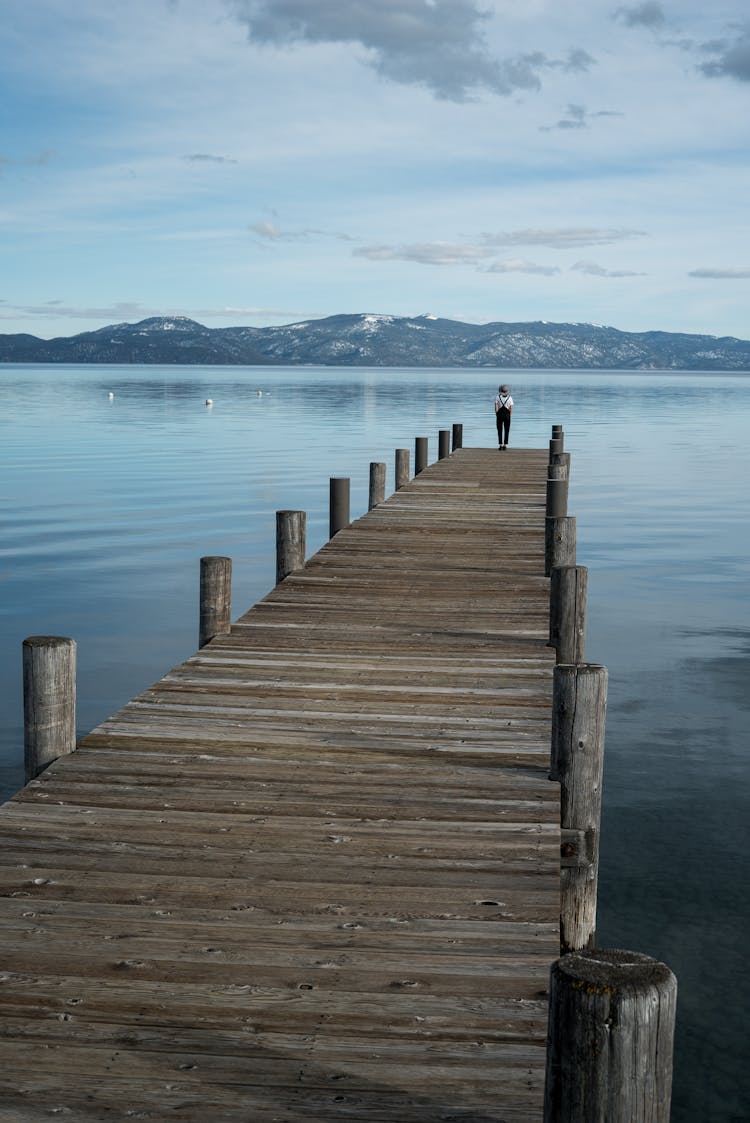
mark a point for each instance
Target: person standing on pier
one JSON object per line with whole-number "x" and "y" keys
{"x": 503, "y": 411}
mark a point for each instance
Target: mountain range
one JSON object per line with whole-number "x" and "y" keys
{"x": 385, "y": 341}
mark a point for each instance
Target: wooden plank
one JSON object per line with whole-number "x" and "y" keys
{"x": 313, "y": 873}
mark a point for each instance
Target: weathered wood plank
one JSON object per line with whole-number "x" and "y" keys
{"x": 313, "y": 873}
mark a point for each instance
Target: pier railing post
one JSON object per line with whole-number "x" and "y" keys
{"x": 567, "y": 612}
{"x": 557, "y": 430}
{"x": 457, "y": 436}
{"x": 444, "y": 439}
{"x": 610, "y": 1039}
{"x": 215, "y": 613}
{"x": 290, "y": 542}
{"x": 377, "y": 485}
{"x": 557, "y": 497}
{"x": 579, "y": 706}
{"x": 338, "y": 507}
{"x": 402, "y": 467}
{"x": 49, "y": 701}
{"x": 420, "y": 454}
{"x": 559, "y": 542}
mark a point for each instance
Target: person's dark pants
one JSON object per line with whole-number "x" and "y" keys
{"x": 503, "y": 425}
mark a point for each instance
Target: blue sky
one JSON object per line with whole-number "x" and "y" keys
{"x": 266, "y": 161}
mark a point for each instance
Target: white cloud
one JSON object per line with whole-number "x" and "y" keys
{"x": 591, "y": 269}
{"x": 425, "y": 253}
{"x": 563, "y": 238}
{"x": 721, "y": 274}
{"x": 518, "y": 265}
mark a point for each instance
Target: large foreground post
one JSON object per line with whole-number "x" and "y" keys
{"x": 579, "y": 706}
{"x": 567, "y": 612}
{"x": 291, "y": 527}
{"x": 215, "y": 613}
{"x": 610, "y": 1039}
{"x": 49, "y": 701}
{"x": 559, "y": 542}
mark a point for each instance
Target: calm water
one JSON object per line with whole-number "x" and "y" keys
{"x": 107, "y": 506}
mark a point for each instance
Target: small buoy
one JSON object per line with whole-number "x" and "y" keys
{"x": 259, "y": 393}
{"x": 209, "y": 401}
{"x": 110, "y": 395}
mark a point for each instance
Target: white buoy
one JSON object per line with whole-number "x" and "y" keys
{"x": 110, "y": 395}
{"x": 209, "y": 401}
{"x": 259, "y": 393}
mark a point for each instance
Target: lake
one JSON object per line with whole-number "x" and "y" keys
{"x": 108, "y": 503}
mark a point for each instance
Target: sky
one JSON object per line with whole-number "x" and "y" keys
{"x": 263, "y": 162}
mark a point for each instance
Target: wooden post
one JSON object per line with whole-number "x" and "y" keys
{"x": 561, "y": 458}
{"x": 567, "y": 612}
{"x": 215, "y": 613}
{"x": 559, "y": 542}
{"x": 458, "y": 436}
{"x": 49, "y": 701}
{"x": 610, "y": 1039}
{"x": 420, "y": 454}
{"x": 377, "y": 485}
{"x": 444, "y": 441}
{"x": 579, "y": 706}
{"x": 338, "y": 506}
{"x": 557, "y": 430}
{"x": 291, "y": 529}
{"x": 557, "y": 498}
{"x": 556, "y": 446}
{"x": 402, "y": 467}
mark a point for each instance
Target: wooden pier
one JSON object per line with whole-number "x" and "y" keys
{"x": 313, "y": 874}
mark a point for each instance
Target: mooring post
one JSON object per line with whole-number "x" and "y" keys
{"x": 49, "y": 701}
{"x": 377, "y": 484}
{"x": 444, "y": 439}
{"x": 559, "y": 542}
{"x": 556, "y": 446}
{"x": 458, "y": 436}
{"x": 610, "y": 1039}
{"x": 557, "y": 497}
{"x": 557, "y": 430}
{"x": 338, "y": 506}
{"x": 402, "y": 467}
{"x": 561, "y": 458}
{"x": 215, "y": 613}
{"x": 579, "y": 707}
{"x": 291, "y": 529}
{"x": 420, "y": 454}
{"x": 567, "y": 612}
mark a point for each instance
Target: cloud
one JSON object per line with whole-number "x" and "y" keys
{"x": 131, "y": 311}
{"x": 578, "y": 117}
{"x": 563, "y": 238}
{"x": 721, "y": 274}
{"x": 434, "y": 43}
{"x": 591, "y": 269}
{"x": 649, "y": 14}
{"x": 425, "y": 253}
{"x": 208, "y": 158}
{"x": 731, "y": 57}
{"x": 477, "y": 250}
{"x": 270, "y": 232}
{"x": 517, "y": 265}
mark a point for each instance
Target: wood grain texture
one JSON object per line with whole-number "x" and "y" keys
{"x": 313, "y": 873}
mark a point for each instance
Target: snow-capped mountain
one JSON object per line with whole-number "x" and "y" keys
{"x": 387, "y": 341}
